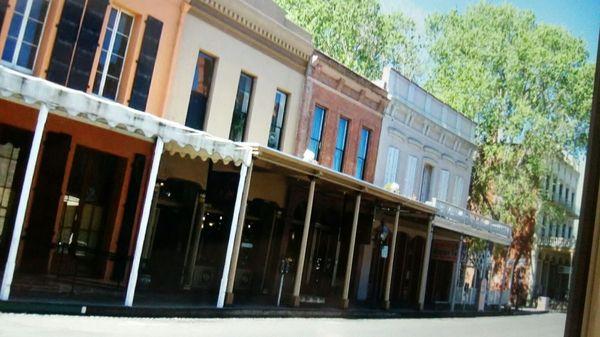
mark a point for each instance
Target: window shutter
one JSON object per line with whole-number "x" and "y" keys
{"x": 458, "y": 191}
{"x": 87, "y": 44}
{"x": 391, "y": 168}
{"x": 3, "y": 7}
{"x": 145, "y": 65}
{"x": 64, "y": 44}
{"x": 409, "y": 178}
{"x": 443, "y": 187}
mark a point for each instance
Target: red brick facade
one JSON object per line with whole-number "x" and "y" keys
{"x": 342, "y": 93}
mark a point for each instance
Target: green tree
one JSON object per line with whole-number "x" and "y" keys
{"x": 358, "y": 34}
{"x": 528, "y": 86}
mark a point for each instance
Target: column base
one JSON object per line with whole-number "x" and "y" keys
{"x": 296, "y": 301}
{"x": 386, "y": 305}
{"x": 344, "y": 303}
{"x": 228, "y": 298}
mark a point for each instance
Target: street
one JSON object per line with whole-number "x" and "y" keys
{"x": 17, "y": 325}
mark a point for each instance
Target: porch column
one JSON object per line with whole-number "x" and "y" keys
{"x": 390, "y": 266}
{"x": 139, "y": 244}
{"x": 199, "y": 223}
{"x": 425, "y": 270}
{"x": 9, "y": 269}
{"x": 303, "y": 243}
{"x": 232, "y": 235}
{"x": 238, "y": 239}
{"x": 456, "y": 274}
{"x": 346, "y": 289}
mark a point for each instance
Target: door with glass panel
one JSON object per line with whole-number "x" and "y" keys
{"x": 24, "y": 33}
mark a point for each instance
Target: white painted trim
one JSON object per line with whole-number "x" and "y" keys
{"x": 139, "y": 245}
{"x": 36, "y": 143}
{"x": 232, "y": 231}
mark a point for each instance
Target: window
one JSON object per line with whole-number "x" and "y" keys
{"x": 443, "y": 185}
{"x": 409, "y": 177}
{"x": 361, "y": 156}
{"x": 112, "y": 55}
{"x": 564, "y": 230}
{"x": 426, "y": 182}
{"x": 570, "y": 234}
{"x": 551, "y": 230}
{"x": 145, "y": 64}
{"x": 458, "y": 191}
{"x": 391, "y": 167}
{"x": 340, "y": 144}
{"x": 543, "y": 231}
{"x": 572, "y": 199}
{"x": 203, "y": 75}
{"x": 277, "y": 120}
{"x": 76, "y": 43}
{"x": 241, "y": 108}
{"x": 553, "y": 189}
{"x": 316, "y": 132}
{"x": 560, "y": 192}
{"x": 24, "y": 33}
{"x": 567, "y": 196}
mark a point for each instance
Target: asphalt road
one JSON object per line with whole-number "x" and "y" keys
{"x": 17, "y": 325}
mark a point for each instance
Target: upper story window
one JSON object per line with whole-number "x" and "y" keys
{"x": 572, "y": 199}
{"x": 391, "y": 166}
{"x": 277, "y": 120}
{"x": 570, "y": 234}
{"x": 361, "y": 156}
{"x": 410, "y": 175}
{"x": 426, "y": 182}
{"x": 560, "y": 192}
{"x": 316, "y": 131}
{"x": 241, "y": 108}
{"x": 340, "y": 144}
{"x": 199, "y": 95}
{"x": 567, "y": 196}
{"x": 443, "y": 185}
{"x": 112, "y": 56}
{"x": 24, "y": 33}
{"x": 458, "y": 191}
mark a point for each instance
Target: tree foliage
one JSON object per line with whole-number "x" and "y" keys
{"x": 358, "y": 34}
{"x": 528, "y": 86}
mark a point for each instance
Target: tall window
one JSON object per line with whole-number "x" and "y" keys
{"x": 24, "y": 33}
{"x": 203, "y": 75}
{"x": 277, "y": 120}
{"x": 567, "y": 196}
{"x": 391, "y": 166}
{"x": 410, "y": 175}
{"x": 560, "y": 192}
{"x": 572, "y": 199}
{"x": 361, "y": 156}
{"x": 426, "y": 182}
{"x": 443, "y": 185}
{"x": 241, "y": 108}
{"x": 316, "y": 131}
{"x": 112, "y": 56}
{"x": 340, "y": 144}
{"x": 458, "y": 191}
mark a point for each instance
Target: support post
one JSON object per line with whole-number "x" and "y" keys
{"x": 139, "y": 244}
{"x": 390, "y": 266}
{"x": 346, "y": 290}
{"x": 455, "y": 275}
{"x": 9, "y": 269}
{"x": 303, "y": 243}
{"x": 238, "y": 238}
{"x": 232, "y": 231}
{"x": 199, "y": 223}
{"x": 425, "y": 269}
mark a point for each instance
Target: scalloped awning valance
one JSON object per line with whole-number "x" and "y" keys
{"x": 178, "y": 139}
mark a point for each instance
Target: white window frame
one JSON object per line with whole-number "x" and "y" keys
{"x": 109, "y": 51}
{"x": 13, "y": 63}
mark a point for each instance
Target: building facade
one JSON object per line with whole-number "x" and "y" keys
{"x": 240, "y": 72}
{"x": 556, "y": 232}
{"x": 340, "y": 121}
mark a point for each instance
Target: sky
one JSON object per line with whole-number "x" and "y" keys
{"x": 580, "y": 17}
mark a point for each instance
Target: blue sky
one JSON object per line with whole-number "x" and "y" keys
{"x": 580, "y": 17}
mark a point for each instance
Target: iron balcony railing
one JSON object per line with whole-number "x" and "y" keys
{"x": 557, "y": 242}
{"x": 479, "y": 222}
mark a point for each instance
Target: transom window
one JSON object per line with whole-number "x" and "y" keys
{"x": 112, "y": 57}
{"x": 277, "y": 119}
{"x": 340, "y": 144}
{"x": 24, "y": 33}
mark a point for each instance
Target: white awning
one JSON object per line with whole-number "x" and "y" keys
{"x": 178, "y": 138}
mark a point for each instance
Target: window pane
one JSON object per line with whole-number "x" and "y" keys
{"x": 362, "y": 153}
{"x": 242, "y": 104}
{"x": 199, "y": 95}
{"x": 314, "y": 143}
{"x": 340, "y": 144}
{"x": 277, "y": 120}
{"x": 26, "y": 56}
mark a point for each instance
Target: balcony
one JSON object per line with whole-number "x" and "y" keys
{"x": 557, "y": 242}
{"x": 464, "y": 221}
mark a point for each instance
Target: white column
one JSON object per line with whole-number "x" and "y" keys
{"x": 139, "y": 245}
{"x": 36, "y": 143}
{"x": 425, "y": 270}
{"x": 346, "y": 289}
{"x": 390, "y": 266}
{"x": 232, "y": 231}
{"x": 303, "y": 243}
{"x": 455, "y": 274}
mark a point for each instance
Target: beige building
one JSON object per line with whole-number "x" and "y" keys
{"x": 240, "y": 72}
